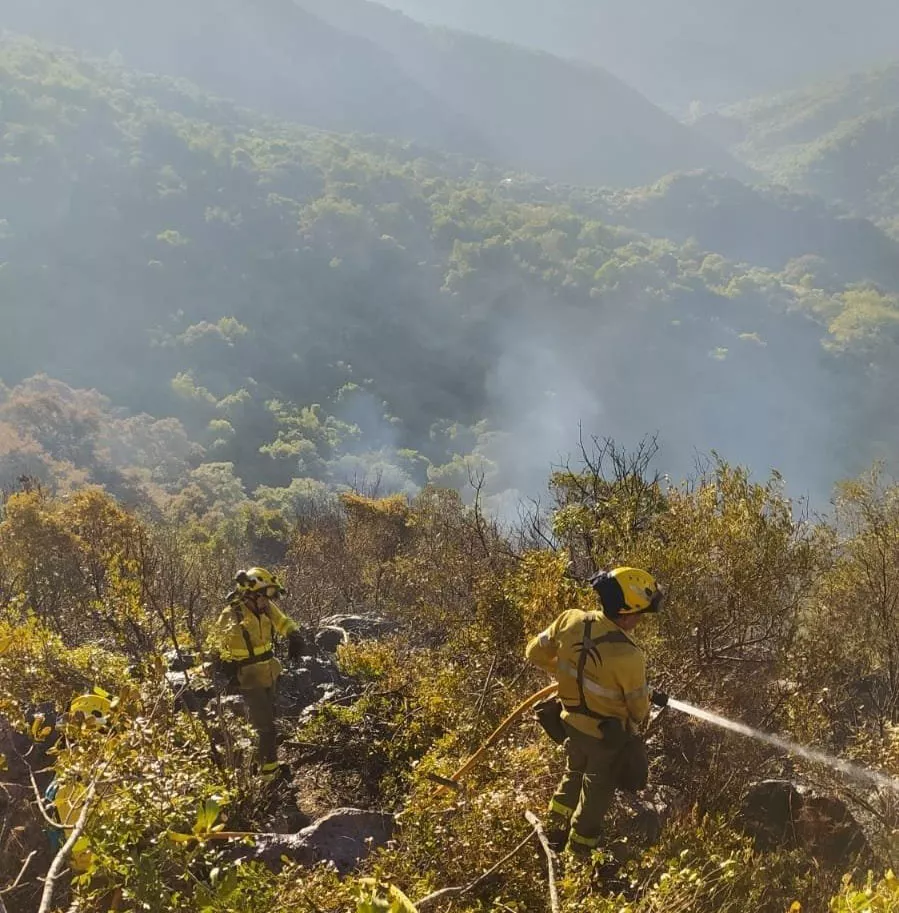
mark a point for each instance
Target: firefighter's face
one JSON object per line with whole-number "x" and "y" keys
{"x": 628, "y": 622}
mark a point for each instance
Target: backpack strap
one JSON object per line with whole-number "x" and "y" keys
{"x": 588, "y": 645}
{"x": 251, "y": 656}
{"x": 613, "y": 637}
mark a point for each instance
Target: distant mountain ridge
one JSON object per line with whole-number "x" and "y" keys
{"x": 271, "y": 56}
{"x": 713, "y": 51}
{"x": 356, "y": 67}
{"x": 562, "y": 119}
{"x": 838, "y": 139}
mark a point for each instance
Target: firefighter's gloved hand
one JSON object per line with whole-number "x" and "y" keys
{"x": 296, "y": 645}
{"x": 225, "y": 675}
{"x": 659, "y": 698}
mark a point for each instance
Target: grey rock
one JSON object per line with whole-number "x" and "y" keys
{"x": 230, "y": 703}
{"x": 360, "y": 627}
{"x": 179, "y": 663}
{"x": 330, "y": 638}
{"x": 650, "y": 811}
{"x": 326, "y": 694}
{"x": 298, "y": 685}
{"x": 193, "y": 691}
{"x": 769, "y": 811}
{"x": 324, "y": 671}
{"x": 301, "y": 685}
{"x": 343, "y": 838}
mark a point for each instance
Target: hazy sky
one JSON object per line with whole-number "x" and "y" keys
{"x": 678, "y": 51}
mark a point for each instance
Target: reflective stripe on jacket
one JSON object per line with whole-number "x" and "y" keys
{"x": 614, "y": 678}
{"x": 238, "y": 620}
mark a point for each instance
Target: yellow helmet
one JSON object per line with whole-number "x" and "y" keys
{"x": 94, "y": 707}
{"x": 627, "y": 591}
{"x": 257, "y": 580}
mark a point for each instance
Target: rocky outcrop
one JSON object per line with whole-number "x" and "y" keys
{"x": 330, "y": 637}
{"x": 342, "y": 838}
{"x": 360, "y": 627}
{"x": 645, "y": 814}
{"x": 192, "y": 686}
{"x": 781, "y": 813}
{"x": 308, "y": 681}
{"x": 304, "y": 682}
{"x": 179, "y": 660}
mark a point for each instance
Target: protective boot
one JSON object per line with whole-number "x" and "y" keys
{"x": 579, "y": 851}
{"x": 557, "y": 829}
{"x": 582, "y": 847}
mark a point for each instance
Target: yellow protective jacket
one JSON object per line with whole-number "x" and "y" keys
{"x": 237, "y": 625}
{"x": 614, "y": 669}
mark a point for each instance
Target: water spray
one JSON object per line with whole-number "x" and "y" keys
{"x": 854, "y": 771}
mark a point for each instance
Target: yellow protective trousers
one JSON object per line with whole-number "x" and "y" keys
{"x": 595, "y": 768}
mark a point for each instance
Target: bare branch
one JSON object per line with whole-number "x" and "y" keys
{"x": 531, "y": 532}
{"x": 476, "y": 480}
{"x": 40, "y": 800}
{"x": 482, "y": 699}
{"x": 59, "y": 860}
{"x": 19, "y": 877}
{"x": 534, "y": 821}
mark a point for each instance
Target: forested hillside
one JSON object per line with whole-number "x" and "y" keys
{"x": 385, "y": 74}
{"x": 435, "y": 289}
{"x": 709, "y": 51}
{"x": 836, "y": 139}
{"x": 271, "y": 56}
{"x": 764, "y": 225}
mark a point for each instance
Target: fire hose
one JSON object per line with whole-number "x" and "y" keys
{"x": 494, "y": 737}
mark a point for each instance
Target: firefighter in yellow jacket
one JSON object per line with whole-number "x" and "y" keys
{"x": 88, "y": 714}
{"x": 243, "y": 638}
{"x": 604, "y": 697}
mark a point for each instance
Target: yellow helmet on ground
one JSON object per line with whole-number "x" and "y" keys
{"x": 94, "y": 707}
{"x": 627, "y": 591}
{"x": 259, "y": 581}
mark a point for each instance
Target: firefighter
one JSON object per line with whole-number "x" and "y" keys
{"x": 243, "y": 639}
{"x": 603, "y": 698}
{"x": 88, "y": 715}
